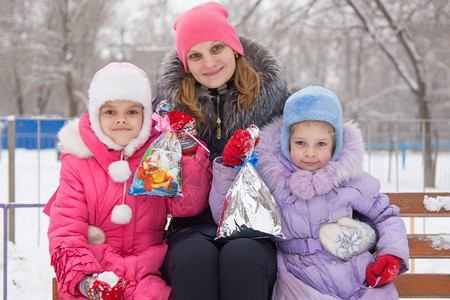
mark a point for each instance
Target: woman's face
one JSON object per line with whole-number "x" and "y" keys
{"x": 212, "y": 63}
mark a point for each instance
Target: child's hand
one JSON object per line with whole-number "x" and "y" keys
{"x": 384, "y": 270}
{"x": 93, "y": 287}
{"x": 96, "y": 235}
{"x": 181, "y": 121}
{"x": 238, "y": 147}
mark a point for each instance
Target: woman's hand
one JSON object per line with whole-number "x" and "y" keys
{"x": 238, "y": 147}
{"x": 185, "y": 126}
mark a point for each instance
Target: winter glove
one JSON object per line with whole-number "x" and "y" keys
{"x": 384, "y": 270}
{"x": 96, "y": 287}
{"x": 347, "y": 238}
{"x": 182, "y": 122}
{"x": 238, "y": 147}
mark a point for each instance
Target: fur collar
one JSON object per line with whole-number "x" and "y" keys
{"x": 71, "y": 142}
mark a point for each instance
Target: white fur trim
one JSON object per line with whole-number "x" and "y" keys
{"x": 121, "y": 214}
{"x": 71, "y": 142}
{"x": 119, "y": 171}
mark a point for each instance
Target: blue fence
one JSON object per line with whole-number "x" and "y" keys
{"x": 27, "y": 133}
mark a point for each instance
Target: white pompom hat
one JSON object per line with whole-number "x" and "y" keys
{"x": 121, "y": 81}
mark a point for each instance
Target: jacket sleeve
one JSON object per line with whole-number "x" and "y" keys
{"x": 223, "y": 177}
{"x": 70, "y": 255}
{"x": 392, "y": 232}
{"x": 195, "y": 185}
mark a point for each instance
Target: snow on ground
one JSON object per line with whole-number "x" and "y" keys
{"x": 28, "y": 265}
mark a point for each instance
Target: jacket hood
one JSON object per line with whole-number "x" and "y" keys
{"x": 279, "y": 173}
{"x": 273, "y": 92}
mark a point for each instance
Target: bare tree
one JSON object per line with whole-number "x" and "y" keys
{"x": 52, "y": 50}
{"x": 407, "y": 61}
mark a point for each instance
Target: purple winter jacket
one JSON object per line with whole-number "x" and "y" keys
{"x": 306, "y": 201}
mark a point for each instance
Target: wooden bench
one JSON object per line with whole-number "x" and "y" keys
{"x": 417, "y": 285}
{"x": 410, "y": 285}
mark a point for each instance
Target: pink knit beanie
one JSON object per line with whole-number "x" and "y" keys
{"x": 205, "y": 22}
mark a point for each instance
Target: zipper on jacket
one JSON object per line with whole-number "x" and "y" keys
{"x": 219, "y": 122}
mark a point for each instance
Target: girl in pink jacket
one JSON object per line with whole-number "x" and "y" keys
{"x": 101, "y": 152}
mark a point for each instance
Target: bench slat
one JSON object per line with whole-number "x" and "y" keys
{"x": 423, "y": 285}
{"x": 411, "y": 204}
{"x": 421, "y": 246}
{"x": 55, "y": 295}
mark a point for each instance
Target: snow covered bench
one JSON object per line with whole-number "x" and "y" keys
{"x": 428, "y": 246}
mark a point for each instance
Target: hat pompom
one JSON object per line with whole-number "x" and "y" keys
{"x": 121, "y": 214}
{"x": 119, "y": 171}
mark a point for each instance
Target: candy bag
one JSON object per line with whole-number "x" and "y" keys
{"x": 159, "y": 172}
{"x": 249, "y": 209}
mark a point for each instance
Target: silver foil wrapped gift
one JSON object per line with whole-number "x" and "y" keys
{"x": 249, "y": 209}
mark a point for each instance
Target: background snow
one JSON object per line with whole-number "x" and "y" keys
{"x": 37, "y": 173}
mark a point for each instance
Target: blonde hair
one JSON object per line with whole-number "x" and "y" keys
{"x": 246, "y": 81}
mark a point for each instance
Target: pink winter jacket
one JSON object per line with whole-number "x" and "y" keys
{"x": 87, "y": 195}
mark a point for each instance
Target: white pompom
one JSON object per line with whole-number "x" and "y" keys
{"x": 119, "y": 171}
{"x": 121, "y": 214}
{"x": 109, "y": 277}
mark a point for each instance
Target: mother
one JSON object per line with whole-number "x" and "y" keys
{"x": 226, "y": 83}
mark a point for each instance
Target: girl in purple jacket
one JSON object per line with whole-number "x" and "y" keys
{"x": 312, "y": 164}
{"x": 100, "y": 153}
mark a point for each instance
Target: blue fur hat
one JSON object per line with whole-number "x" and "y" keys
{"x": 313, "y": 103}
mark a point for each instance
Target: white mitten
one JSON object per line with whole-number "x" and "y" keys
{"x": 347, "y": 238}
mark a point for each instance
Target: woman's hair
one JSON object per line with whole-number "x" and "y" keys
{"x": 246, "y": 81}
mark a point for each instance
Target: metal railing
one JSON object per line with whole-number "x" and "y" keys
{"x": 6, "y": 208}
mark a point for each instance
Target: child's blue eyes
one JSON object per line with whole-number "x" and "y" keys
{"x": 319, "y": 144}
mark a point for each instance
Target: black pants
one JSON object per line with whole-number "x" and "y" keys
{"x": 198, "y": 268}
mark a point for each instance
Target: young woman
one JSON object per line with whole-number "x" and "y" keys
{"x": 226, "y": 83}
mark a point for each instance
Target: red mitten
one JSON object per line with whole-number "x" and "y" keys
{"x": 182, "y": 122}
{"x": 239, "y": 145}
{"x": 96, "y": 289}
{"x": 179, "y": 119}
{"x": 384, "y": 270}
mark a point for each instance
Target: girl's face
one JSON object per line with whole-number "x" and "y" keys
{"x": 311, "y": 144}
{"x": 212, "y": 63}
{"x": 121, "y": 120}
